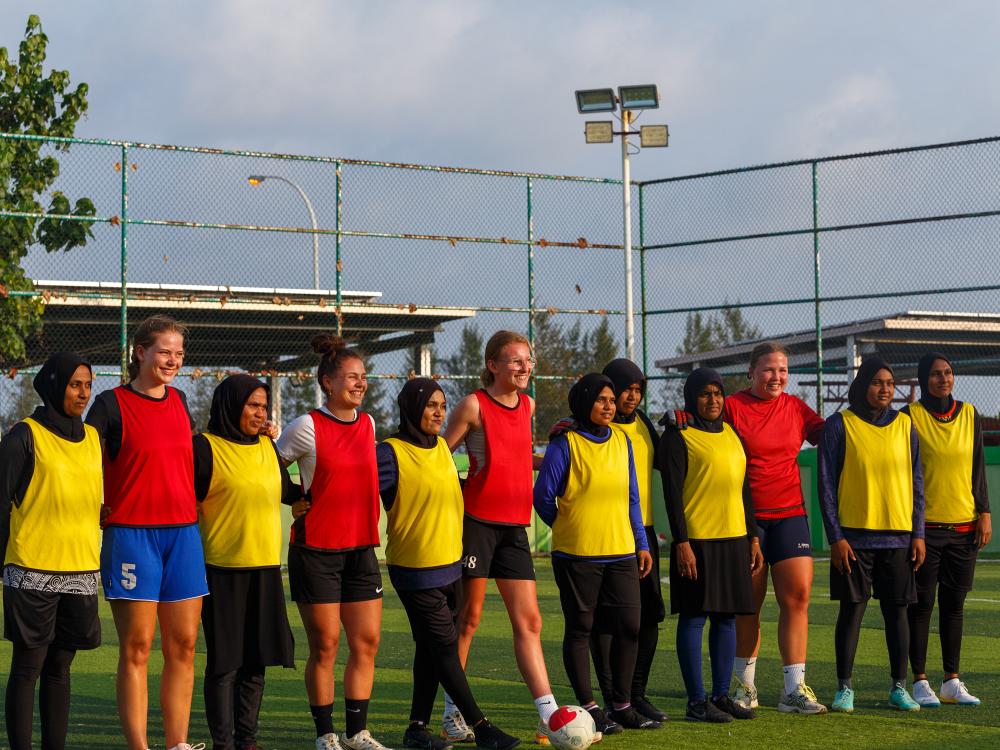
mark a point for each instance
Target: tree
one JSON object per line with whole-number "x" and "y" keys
{"x": 464, "y": 366}
{"x": 32, "y": 103}
{"x": 705, "y": 333}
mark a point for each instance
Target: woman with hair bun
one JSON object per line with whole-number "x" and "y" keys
{"x": 332, "y": 569}
{"x": 152, "y": 563}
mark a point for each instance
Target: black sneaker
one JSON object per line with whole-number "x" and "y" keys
{"x": 605, "y": 724}
{"x": 647, "y": 709}
{"x": 493, "y": 737}
{"x": 734, "y": 709}
{"x": 632, "y": 719}
{"x": 417, "y": 735}
{"x": 705, "y": 711}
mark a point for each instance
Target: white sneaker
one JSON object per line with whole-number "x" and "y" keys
{"x": 746, "y": 695}
{"x": 454, "y": 728}
{"x": 953, "y": 691}
{"x": 328, "y": 741}
{"x": 924, "y": 695}
{"x": 186, "y": 746}
{"x": 362, "y": 741}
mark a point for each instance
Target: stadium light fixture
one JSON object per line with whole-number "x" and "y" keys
{"x": 257, "y": 179}
{"x": 630, "y": 98}
{"x": 595, "y": 100}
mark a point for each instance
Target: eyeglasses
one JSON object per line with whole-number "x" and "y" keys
{"x": 529, "y": 362}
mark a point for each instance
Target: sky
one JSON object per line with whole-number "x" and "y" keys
{"x": 486, "y": 84}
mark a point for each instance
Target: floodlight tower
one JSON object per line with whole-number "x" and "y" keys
{"x": 631, "y": 98}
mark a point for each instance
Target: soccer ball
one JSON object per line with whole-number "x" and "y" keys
{"x": 571, "y": 728}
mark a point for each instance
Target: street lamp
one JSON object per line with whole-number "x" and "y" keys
{"x": 630, "y": 98}
{"x": 256, "y": 179}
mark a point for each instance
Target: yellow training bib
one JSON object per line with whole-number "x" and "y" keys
{"x": 424, "y": 524}
{"x": 875, "y": 491}
{"x": 240, "y": 517}
{"x": 593, "y": 515}
{"x": 642, "y": 453}
{"x": 713, "y": 487}
{"x": 946, "y": 458}
{"x": 57, "y": 527}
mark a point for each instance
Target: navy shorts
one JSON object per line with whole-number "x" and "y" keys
{"x": 783, "y": 538}
{"x": 160, "y": 564}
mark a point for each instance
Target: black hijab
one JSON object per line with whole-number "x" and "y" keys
{"x": 624, "y": 372}
{"x": 693, "y": 386}
{"x": 50, "y": 383}
{"x": 582, "y": 397}
{"x": 412, "y": 401}
{"x": 857, "y": 394}
{"x": 932, "y": 403}
{"x": 230, "y": 396}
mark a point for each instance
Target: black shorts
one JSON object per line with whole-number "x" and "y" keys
{"x": 888, "y": 573}
{"x": 650, "y": 593}
{"x": 951, "y": 560}
{"x": 42, "y": 618}
{"x": 317, "y": 577}
{"x": 245, "y": 620}
{"x": 433, "y": 613}
{"x": 784, "y": 538}
{"x": 584, "y": 585}
{"x": 492, "y": 550}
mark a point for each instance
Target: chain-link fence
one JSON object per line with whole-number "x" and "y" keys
{"x": 890, "y": 252}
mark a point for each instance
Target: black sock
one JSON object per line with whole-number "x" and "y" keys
{"x": 323, "y": 718}
{"x": 845, "y": 682}
{"x": 357, "y": 715}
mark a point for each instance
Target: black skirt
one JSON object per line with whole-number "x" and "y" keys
{"x": 245, "y": 620}
{"x": 723, "y": 585}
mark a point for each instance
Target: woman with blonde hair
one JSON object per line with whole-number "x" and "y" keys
{"x": 152, "y": 563}
{"x": 494, "y": 422}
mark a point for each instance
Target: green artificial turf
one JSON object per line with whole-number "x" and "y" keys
{"x": 285, "y": 720}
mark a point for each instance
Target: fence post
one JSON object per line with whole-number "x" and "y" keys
{"x": 642, "y": 281}
{"x": 816, "y": 292}
{"x": 123, "y": 227}
{"x": 531, "y": 282}
{"x": 340, "y": 265}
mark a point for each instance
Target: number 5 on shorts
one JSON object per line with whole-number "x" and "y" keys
{"x": 128, "y": 577}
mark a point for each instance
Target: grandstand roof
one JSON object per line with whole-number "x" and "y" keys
{"x": 251, "y": 328}
{"x": 972, "y": 339}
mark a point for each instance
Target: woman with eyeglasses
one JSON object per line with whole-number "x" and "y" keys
{"x": 494, "y": 423}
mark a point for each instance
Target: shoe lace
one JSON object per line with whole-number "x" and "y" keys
{"x": 807, "y": 692}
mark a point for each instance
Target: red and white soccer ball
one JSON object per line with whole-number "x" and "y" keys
{"x": 571, "y": 728}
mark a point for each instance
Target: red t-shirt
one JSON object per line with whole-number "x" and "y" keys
{"x": 772, "y": 432}
{"x": 501, "y": 491}
{"x": 343, "y": 513}
{"x": 150, "y": 482}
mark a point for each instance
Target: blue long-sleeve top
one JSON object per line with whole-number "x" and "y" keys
{"x": 551, "y": 484}
{"x": 831, "y": 451}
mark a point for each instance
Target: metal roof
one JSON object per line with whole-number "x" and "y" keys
{"x": 972, "y": 339}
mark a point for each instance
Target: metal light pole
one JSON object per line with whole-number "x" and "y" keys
{"x": 602, "y": 131}
{"x": 627, "y": 224}
{"x": 256, "y": 179}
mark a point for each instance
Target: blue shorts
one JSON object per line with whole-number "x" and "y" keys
{"x": 784, "y": 538}
{"x": 165, "y": 564}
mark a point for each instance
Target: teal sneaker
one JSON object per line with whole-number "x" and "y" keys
{"x": 843, "y": 701}
{"x": 901, "y": 700}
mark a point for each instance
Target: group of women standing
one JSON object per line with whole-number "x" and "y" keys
{"x": 184, "y": 519}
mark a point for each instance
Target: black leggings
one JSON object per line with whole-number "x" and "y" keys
{"x": 848, "y": 632}
{"x": 232, "y": 706}
{"x": 600, "y": 651}
{"x": 951, "y": 619}
{"x": 432, "y": 614}
{"x": 52, "y": 664}
{"x": 623, "y": 648}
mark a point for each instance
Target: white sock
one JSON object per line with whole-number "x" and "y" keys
{"x": 546, "y": 705}
{"x": 449, "y": 704}
{"x": 745, "y": 670}
{"x": 795, "y": 675}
